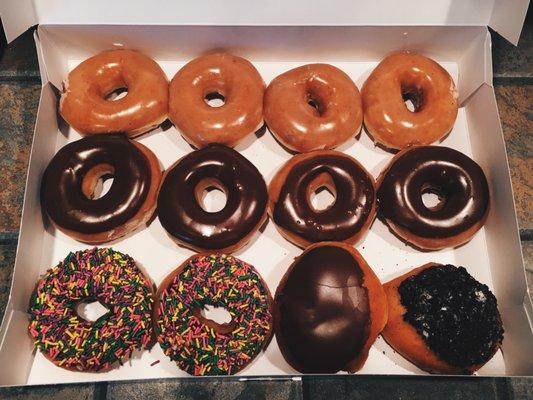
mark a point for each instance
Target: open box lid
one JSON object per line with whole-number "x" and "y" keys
{"x": 505, "y": 16}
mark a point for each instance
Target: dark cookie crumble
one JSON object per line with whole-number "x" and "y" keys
{"x": 456, "y": 315}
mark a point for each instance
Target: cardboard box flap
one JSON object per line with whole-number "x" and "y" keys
{"x": 506, "y": 16}
{"x": 17, "y": 17}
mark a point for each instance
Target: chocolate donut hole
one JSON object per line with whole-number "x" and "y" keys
{"x": 98, "y": 181}
{"x": 433, "y": 197}
{"x": 322, "y": 192}
{"x": 211, "y": 195}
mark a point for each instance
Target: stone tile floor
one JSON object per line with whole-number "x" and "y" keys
{"x": 19, "y": 95}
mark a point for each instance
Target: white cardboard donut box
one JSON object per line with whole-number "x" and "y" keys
{"x": 275, "y": 36}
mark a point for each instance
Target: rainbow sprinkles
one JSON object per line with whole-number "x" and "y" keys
{"x": 105, "y": 275}
{"x": 200, "y": 346}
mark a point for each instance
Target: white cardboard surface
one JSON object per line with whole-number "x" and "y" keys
{"x": 42, "y": 247}
{"x": 505, "y": 16}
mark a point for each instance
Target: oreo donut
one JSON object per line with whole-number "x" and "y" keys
{"x": 457, "y": 181}
{"x": 199, "y": 345}
{"x": 347, "y": 219}
{"x": 70, "y": 180}
{"x": 442, "y": 319}
{"x": 73, "y": 343}
{"x": 329, "y": 309}
{"x": 180, "y": 201}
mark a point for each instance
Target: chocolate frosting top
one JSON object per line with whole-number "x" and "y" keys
{"x": 322, "y": 311}
{"x": 344, "y": 218}
{"x": 455, "y": 315}
{"x": 458, "y": 181}
{"x": 61, "y": 187}
{"x": 246, "y": 198}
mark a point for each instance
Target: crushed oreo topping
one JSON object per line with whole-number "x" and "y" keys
{"x": 456, "y": 315}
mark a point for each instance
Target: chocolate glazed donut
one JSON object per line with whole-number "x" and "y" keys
{"x": 457, "y": 180}
{"x": 328, "y": 310}
{"x": 346, "y": 220}
{"x": 69, "y": 181}
{"x": 179, "y": 205}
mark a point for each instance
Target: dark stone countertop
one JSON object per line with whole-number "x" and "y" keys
{"x": 19, "y": 96}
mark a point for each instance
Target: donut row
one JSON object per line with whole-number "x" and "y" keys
{"x": 138, "y": 190}
{"x": 327, "y": 312}
{"x": 221, "y": 98}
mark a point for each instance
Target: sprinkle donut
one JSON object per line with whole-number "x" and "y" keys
{"x": 73, "y": 343}
{"x": 198, "y": 345}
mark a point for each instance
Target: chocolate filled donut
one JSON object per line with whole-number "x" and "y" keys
{"x": 459, "y": 183}
{"x": 69, "y": 182}
{"x": 346, "y": 220}
{"x": 328, "y": 310}
{"x": 180, "y": 202}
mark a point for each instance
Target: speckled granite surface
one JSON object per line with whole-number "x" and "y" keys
{"x": 18, "y": 102}
{"x": 516, "y": 113}
{"x": 514, "y": 62}
{"x": 19, "y": 93}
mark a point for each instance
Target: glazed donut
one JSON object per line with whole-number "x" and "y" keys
{"x": 313, "y": 107}
{"x": 456, "y": 179}
{"x": 73, "y": 343}
{"x": 403, "y": 77}
{"x": 85, "y": 102}
{"x": 442, "y": 319}
{"x": 201, "y": 346}
{"x": 180, "y": 201}
{"x": 346, "y": 220}
{"x": 221, "y": 76}
{"x": 328, "y": 310}
{"x": 69, "y": 182}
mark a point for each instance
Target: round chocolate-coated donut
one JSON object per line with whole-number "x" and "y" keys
{"x": 184, "y": 218}
{"x": 457, "y": 180}
{"x": 351, "y": 213}
{"x": 62, "y": 190}
{"x": 328, "y": 310}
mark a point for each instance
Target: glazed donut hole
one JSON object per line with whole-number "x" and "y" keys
{"x": 211, "y": 195}
{"x": 315, "y": 95}
{"x": 413, "y": 97}
{"x": 117, "y": 94}
{"x": 214, "y": 98}
{"x": 112, "y": 88}
{"x": 321, "y": 193}
{"x": 414, "y": 91}
{"x": 217, "y": 91}
{"x": 98, "y": 181}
